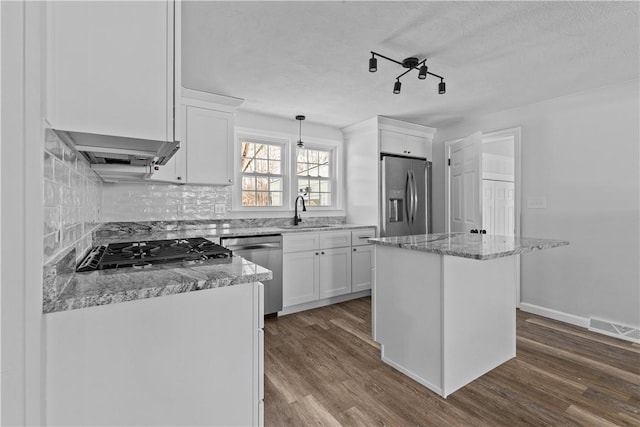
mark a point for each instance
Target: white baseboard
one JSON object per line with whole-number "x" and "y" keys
{"x": 321, "y": 303}
{"x": 572, "y": 319}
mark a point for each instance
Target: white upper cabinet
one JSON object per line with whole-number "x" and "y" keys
{"x": 401, "y": 143}
{"x": 206, "y": 153}
{"x": 110, "y": 68}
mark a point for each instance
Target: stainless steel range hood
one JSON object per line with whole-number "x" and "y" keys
{"x": 116, "y": 158}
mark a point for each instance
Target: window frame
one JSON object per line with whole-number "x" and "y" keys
{"x": 332, "y": 172}
{"x": 284, "y": 170}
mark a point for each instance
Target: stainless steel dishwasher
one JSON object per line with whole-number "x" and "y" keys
{"x": 265, "y": 251}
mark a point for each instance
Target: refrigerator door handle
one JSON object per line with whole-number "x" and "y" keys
{"x": 408, "y": 200}
{"x": 414, "y": 192}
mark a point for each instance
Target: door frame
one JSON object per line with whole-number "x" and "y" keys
{"x": 492, "y": 136}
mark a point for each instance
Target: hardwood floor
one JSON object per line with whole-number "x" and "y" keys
{"x": 323, "y": 369}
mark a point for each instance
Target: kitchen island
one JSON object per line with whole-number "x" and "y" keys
{"x": 444, "y": 304}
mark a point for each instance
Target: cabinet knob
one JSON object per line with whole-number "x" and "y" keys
{"x": 230, "y": 180}
{"x": 408, "y": 152}
{"x": 322, "y": 253}
{"x": 354, "y": 249}
{"x": 179, "y": 178}
{"x": 317, "y": 253}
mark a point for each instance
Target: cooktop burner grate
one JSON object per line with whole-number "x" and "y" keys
{"x": 146, "y": 254}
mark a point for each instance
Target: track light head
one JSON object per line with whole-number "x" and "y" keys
{"x": 441, "y": 87}
{"x": 396, "y": 87}
{"x": 423, "y": 72}
{"x": 373, "y": 64}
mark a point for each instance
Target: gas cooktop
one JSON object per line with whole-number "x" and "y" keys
{"x": 144, "y": 254}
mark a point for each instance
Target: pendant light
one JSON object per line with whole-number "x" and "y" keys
{"x": 300, "y": 143}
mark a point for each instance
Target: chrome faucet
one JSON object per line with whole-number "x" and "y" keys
{"x": 296, "y": 218}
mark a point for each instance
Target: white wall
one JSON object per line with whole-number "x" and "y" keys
{"x": 582, "y": 153}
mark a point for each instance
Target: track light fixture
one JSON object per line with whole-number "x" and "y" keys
{"x": 397, "y": 86}
{"x": 300, "y": 143}
{"x": 412, "y": 63}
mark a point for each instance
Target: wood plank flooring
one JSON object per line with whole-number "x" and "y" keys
{"x": 323, "y": 369}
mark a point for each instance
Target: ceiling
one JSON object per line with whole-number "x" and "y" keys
{"x": 288, "y": 58}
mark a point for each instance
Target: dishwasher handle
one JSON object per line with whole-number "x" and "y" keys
{"x": 255, "y": 246}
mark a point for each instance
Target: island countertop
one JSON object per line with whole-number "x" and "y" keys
{"x": 465, "y": 245}
{"x": 64, "y": 289}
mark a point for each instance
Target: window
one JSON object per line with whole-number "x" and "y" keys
{"x": 314, "y": 173}
{"x": 262, "y": 174}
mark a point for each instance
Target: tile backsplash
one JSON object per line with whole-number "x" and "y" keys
{"x": 163, "y": 202}
{"x": 72, "y": 199}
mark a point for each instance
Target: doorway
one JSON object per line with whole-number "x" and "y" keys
{"x": 486, "y": 185}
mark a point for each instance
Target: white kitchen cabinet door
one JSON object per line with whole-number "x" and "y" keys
{"x": 335, "y": 272}
{"x": 110, "y": 68}
{"x": 361, "y": 265}
{"x": 209, "y": 142}
{"x": 403, "y": 144}
{"x": 416, "y": 146}
{"x": 300, "y": 277}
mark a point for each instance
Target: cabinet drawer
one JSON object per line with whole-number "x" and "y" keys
{"x": 361, "y": 237}
{"x": 300, "y": 242}
{"x": 335, "y": 239}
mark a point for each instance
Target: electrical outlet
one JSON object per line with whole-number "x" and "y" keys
{"x": 220, "y": 208}
{"x": 537, "y": 202}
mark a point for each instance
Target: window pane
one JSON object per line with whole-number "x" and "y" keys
{"x": 248, "y": 183}
{"x": 262, "y": 198}
{"x": 302, "y": 155}
{"x": 313, "y": 156}
{"x": 276, "y": 199}
{"x": 248, "y": 198}
{"x": 262, "y": 151}
{"x": 262, "y": 166}
{"x": 314, "y": 199}
{"x": 275, "y": 152}
{"x": 262, "y": 184}
{"x": 325, "y": 199}
{"x": 248, "y": 149}
{"x": 274, "y": 167}
{"x": 275, "y": 184}
{"x": 324, "y": 171}
{"x": 315, "y": 186}
{"x": 303, "y": 185}
{"x": 325, "y": 186}
{"x": 248, "y": 165}
{"x": 323, "y": 157}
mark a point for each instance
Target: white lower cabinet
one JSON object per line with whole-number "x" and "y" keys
{"x": 318, "y": 266}
{"x": 300, "y": 277}
{"x": 335, "y": 272}
{"x": 361, "y": 267}
{"x": 188, "y": 359}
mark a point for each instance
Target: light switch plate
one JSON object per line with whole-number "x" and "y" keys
{"x": 220, "y": 208}
{"x": 539, "y": 202}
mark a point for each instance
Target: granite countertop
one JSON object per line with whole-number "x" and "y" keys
{"x": 124, "y": 235}
{"x": 66, "y": 290}
{"x": 475, "y": 246}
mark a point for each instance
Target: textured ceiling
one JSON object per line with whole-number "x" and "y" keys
{"x": 288, "y": 58}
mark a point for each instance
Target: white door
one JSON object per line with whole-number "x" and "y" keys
{"x": 466, "y": 184}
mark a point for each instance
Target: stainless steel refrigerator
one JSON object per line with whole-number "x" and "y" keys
{"x": 405, "y": 196}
